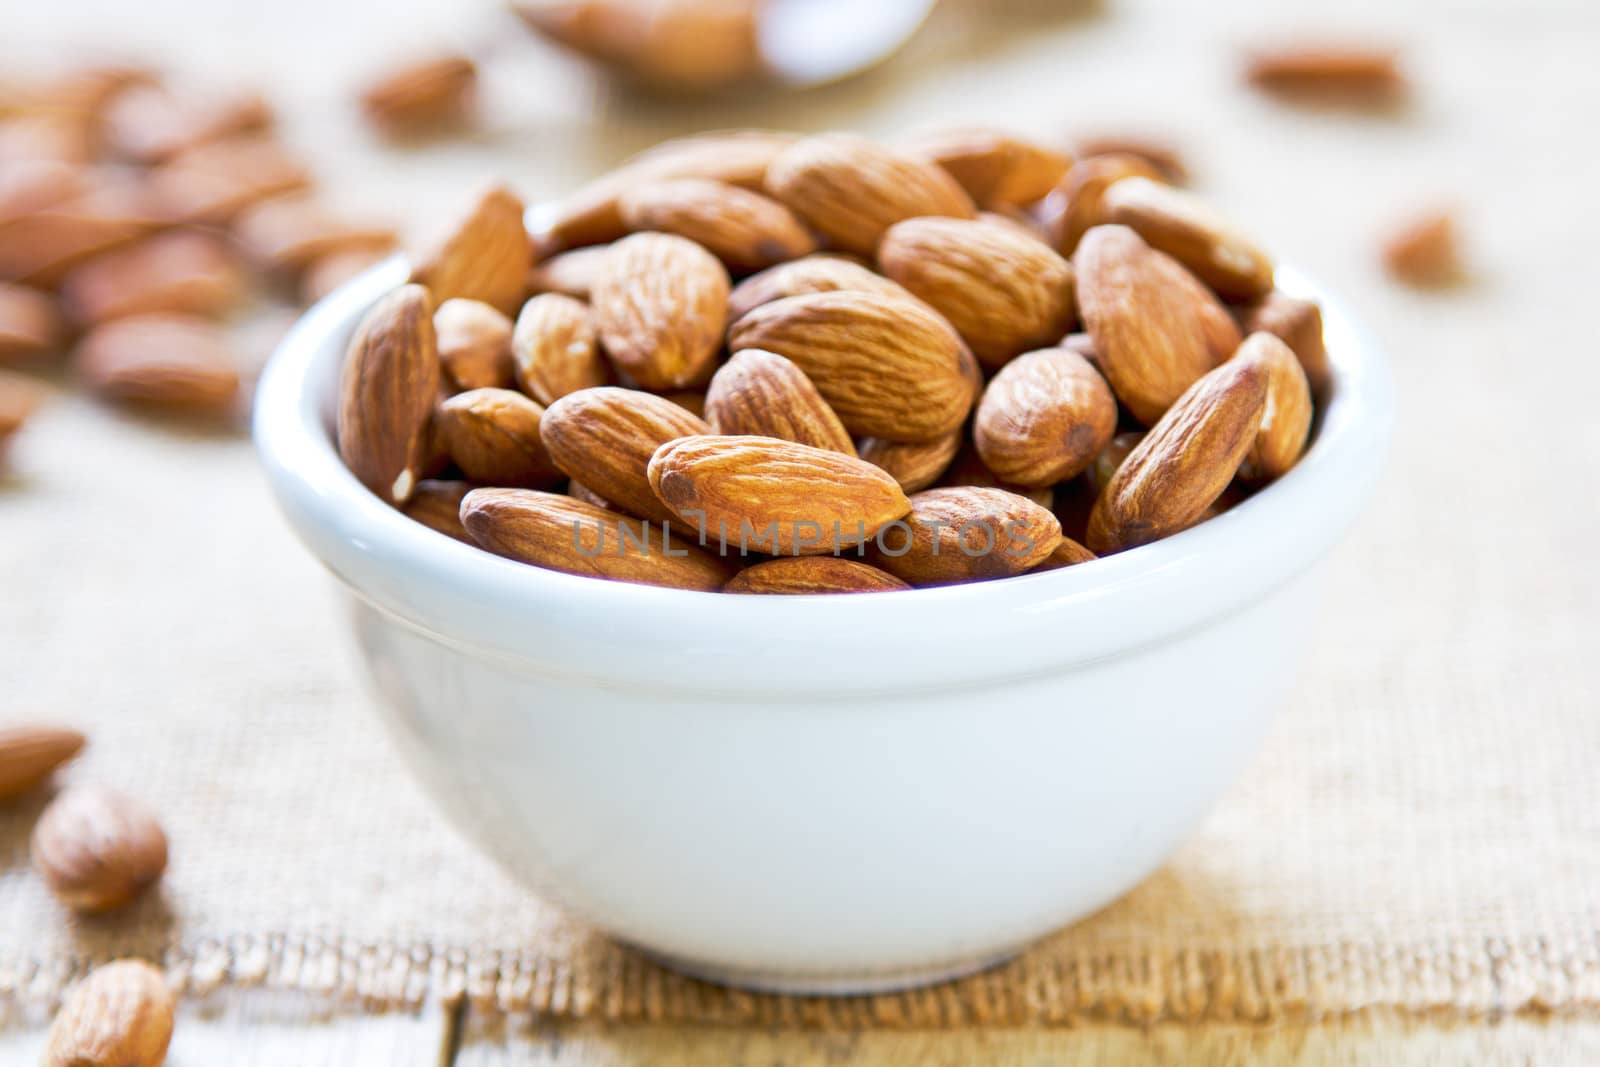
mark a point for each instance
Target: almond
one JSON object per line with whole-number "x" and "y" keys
{"x": 437, "y": 505}
{"x": 888, "y": 366}
{"x": 1187, "y": 229}
{"x": 151, "y": 125}
{"x": 39, "y": 249}
{"x": 810, "y": 274}
{"x": 555, "y": 349}
{"x": 763, "y": 394}
{"x": 995, "y": 168}
{"x": 1110, "y": 458}
{"x": 805, "y": 575}
{"x": 287, "y": 234}
{"x": 1185, "y": 462}
{"x": 331, "y": 271}
{"x": 660, "y": 309}
{"x": 605, "y": 437}
{"x": 492, "y": 435}
{"x": 421, "y": 94}
{"x": 1076, "y": 206}
{"x": 1349, "y": 73}
{"x": 851, "y": 190}
{"x": 181, "y": 272}
{"x": 968, "y": 469}
{"x": 484, "y": 255}
{"x": 1298, "y": 324}
{"x": 387, "y": 391}
{"x": 1425, "y": 252}
{"x": 1004, "y": 292}
{"x": 166, "y": 362}
{"x": 697, "y": 46}
{"x": 32, "y": 186}
{"x": 29, "y": 754}
{"x": 564, "y": 534}
{"x": 29, "y": 323}
{"x": 578, "y": 491}
{"x": 746, "y": 230}
{"x": 914, "y": 464}
{"x": 767, "y": 494}
{"x": 1043, "y": 418}
{"x": 213, "y": 183}
{"x": 1286, "y": 418}
{"x": 97, "y": 849}
{"x": 1160, "y": 155}
{"x": 967, "y": 534}
{"x": 1067, "y": 554}
{"x": 119, "y": 1016}
{"x": 570, "y": 273}
{"x": 1155, "y": 328}
{"x": 474, "y": 344}
{"x": 54, "y": 136}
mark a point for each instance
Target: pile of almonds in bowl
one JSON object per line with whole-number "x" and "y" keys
{"x": 762, "y": 362}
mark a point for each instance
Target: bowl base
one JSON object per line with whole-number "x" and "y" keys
{"x": 836, "y": 984}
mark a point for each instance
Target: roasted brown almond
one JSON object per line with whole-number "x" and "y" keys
{"x": 30, "y": 754}
{"x": 810, "y": 274}
{"x": 119, "y": 1016}
{"x": 181, "y": 272}
{"x": 1298, "y": 324}
{"x": 851, "y": 190}
{"x": 1187, "y": 229}
{"x": 1077, "y": 205}
{"x": 676, "y": 47}
{"x": 30, "y": 325}
{"x": 1323, "y": 73}
{"x": 770, "y": 495}
{"x": 38, "y": 184}
{"x": 764, "y": 394}
{"x": 1160, "y": 154}
{"x": 1185, "y": 462}
{"x": 1110, "y": 458}
{"x": 966, "y": 534}
{"x": 474, "y": 342}
{"x": 561, "y": 533}
{"x": 213, "y": 183}
{"x": 39, "y": 249}
{"x": 808, "y": 575}
{"x": 1067, "y": 554}
{"x": 437, "y": 505}
{"x": 1043, "y": 418}
{"x": 555, "y": 350}
{"x": 1155, "y": 328}
{"x": 98, "y": 849}
{"x": 483, "y": 255}
{"x": 1286, "y": 418}
{"x": 421, "y": 94}
{"x": 605, "y": 437}
{"x": 167, "y": 362}
{"x": 289, "y": 233}
{"x": 493, "y": 436}
{"x": 968, "y": 469}
{"x": 660, "y": 309}
{"x": 1004, "y": 292}
{"x": 995, "y": 168}
{"x": 569, "y": 273}
{"x": 1425, "y": 252}
{"x": 746, "y": 230}
{"x": 387, "y": 391}
{"x": 152, "y": 125}
{"x": 889, "y": 366}
{"x": 47, "y": 136}
{"x": 914, "y": 464}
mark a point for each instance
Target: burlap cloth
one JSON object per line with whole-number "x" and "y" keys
{"x": 1420, "y": 832}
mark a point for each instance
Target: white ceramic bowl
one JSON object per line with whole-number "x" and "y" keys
{"x": 826, "y": 794}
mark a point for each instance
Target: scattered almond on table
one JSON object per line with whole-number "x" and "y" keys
{"x": 1337, "y": 74}
{"x": 29, "y": 754}
{"x": 434, "y": 94}
{"x": 1425, "y": 252}
{"x": 98, "y": 849}
{"x": 120, "y": 1015}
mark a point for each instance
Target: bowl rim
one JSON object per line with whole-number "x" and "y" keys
{"x": 578, "y": 628}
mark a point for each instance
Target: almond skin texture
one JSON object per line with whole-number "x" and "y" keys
{"x": 805, "y": 575}
{"x": 181, "y": 273}
{"x": 851, "y": 190}
{"x": 746, "y": 230}
{"x": 484, "y": 255}
{"x": 1077, "y": 206}
{"x": 170, "y": 363}
{"x": 437, "y": 505}
{"x": 1187, "y": 229}
{"x": 1298, "y": 324}
{"x": 493, "y": 436}
{"x": 565, "y": 534}
{"x": 474, "y": 342}
{"x": 97, "y": 849}
{"x": 811, "y": 274}
{"x": 1005, "y": 292}
{"x": 555, "y": 350}
{"x": 29, "y": 754}
{"x": 1286, "y": 419}
{"x": 995, "y": 168}
{"x": 967, "y": 534}
{"x": 764, "y": 394}
{"x": 1155, "y": 328}
{"x": 1067, "y": 554}
{"x": 766, "y": 494}
{"x": 1185, "y": 462}
{"x": 1043, "y": 418}
{"x": 605, "y": 437}
{"x": 387, "y": 391}
{"x": 30, "y": 326}
{"x": 119, "y": 1016}
{"x": 888, "y": 366}
{"x": 660, "y": 308}
{"x": 914, "y": 464}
